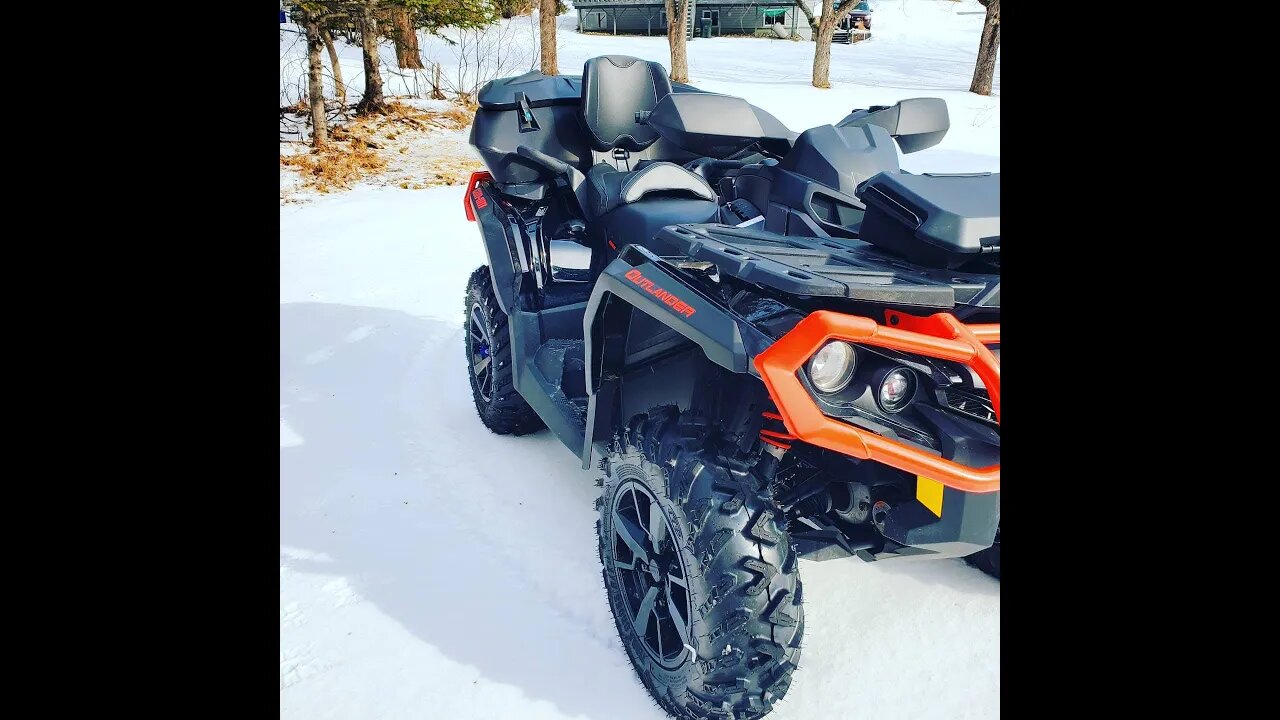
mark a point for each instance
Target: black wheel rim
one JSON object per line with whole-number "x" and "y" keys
{"x": 651, "y": 574}
{"x": 479, "y": 344}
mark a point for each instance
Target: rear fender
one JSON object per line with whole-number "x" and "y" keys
{"x": 504, "y": 240}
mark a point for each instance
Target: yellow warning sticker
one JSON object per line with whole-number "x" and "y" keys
{"x": 929, "y": 493}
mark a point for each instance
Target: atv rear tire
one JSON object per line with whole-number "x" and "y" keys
{"x": 988, "y": 561}
{"x": 740, "y": 643}
{"x": 487, "y": 343}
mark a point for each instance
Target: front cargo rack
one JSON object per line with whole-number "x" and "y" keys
{"x": 829, "y": 267}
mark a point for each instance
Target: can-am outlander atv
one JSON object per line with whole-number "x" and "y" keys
{"x": 774, "y": 345}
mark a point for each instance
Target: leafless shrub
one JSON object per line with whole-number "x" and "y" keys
{"x": 479, "y": 55}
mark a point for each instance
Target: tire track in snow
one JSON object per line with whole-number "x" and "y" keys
{"x": 298, "y": 665}
{"x": 484, "y": 501}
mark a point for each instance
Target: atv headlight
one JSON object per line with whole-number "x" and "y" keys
{"x": 897, "y": 388}
{"x": 831, "y": 368}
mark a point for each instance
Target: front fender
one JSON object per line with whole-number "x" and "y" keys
{"x": 639, "y": 280}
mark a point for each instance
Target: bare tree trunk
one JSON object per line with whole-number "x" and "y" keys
{"x": 676, "y": 22}
{"x": 808, "y": 15}
{"x": 822, "y": 55}
{"x": 436, "y": 92}
{"x": 339, "y": 86}
{"x": 372, "y": 100}
{"x": 822, "y": 50}
{"x": 987, "y": 47}
{"x": 407, "y": 54}
{"x": 315, "y": 83}
{"x": 547, "y": 39}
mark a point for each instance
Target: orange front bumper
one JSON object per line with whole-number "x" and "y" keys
{"x": 940, "y": 336}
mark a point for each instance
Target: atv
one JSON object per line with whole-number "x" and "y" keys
{"x": 774, "y": 345}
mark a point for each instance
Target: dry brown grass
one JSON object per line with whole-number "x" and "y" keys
{"x": 361, "y": 148}
{"x": 461, "y": 117}
{"x": 338, "y": 166}
{"x": 399, "y": 114}
{"x": 451, "y": 170}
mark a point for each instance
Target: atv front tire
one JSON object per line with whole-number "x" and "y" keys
{"x": 487, "y": 343}
{"x": 702, "y": 582}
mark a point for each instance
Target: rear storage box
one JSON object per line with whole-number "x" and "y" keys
{"x": 934, "y": 220}
{"x": 533, "y": 109}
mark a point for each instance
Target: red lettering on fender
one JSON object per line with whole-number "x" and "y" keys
{"x": 675, "y": 303}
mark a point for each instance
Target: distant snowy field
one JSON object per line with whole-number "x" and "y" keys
{"x": 430, "y": 569}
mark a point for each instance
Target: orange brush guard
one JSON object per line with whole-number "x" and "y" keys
{"x": 938, "y": 336}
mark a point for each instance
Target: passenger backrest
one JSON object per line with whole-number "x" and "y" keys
{"x": 614, "y": 89}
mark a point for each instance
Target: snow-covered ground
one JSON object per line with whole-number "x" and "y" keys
{"x": 430, "y": 569}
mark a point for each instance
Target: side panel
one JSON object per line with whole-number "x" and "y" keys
{"x": 639, "y": 281}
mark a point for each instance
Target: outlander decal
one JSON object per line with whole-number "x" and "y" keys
{"x": 667, "y": 298}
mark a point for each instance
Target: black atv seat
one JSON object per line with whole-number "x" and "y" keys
{"x": 609, "y": 187}
{"x": 615, "y": 89}
{"x": 630, "y": 206}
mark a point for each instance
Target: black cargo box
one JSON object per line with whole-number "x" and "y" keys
{"x": 932, "y": 219}
{"x": 533, "y": 109}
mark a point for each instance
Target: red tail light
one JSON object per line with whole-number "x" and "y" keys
{"x": 474, "y": 194}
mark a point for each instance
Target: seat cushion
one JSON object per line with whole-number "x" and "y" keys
{"x": 614, "y": 89}
{"x": 609, "y": 188}
{"x": 638, "y": 223}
